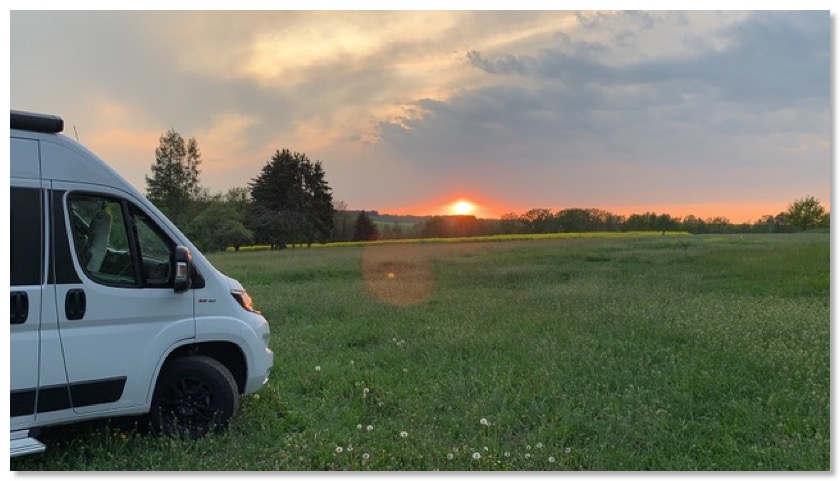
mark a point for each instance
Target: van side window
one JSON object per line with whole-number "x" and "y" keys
{"x": 27, "y": 219}
{"x": 101, "y": 239}
{"x": 118, "y": 244}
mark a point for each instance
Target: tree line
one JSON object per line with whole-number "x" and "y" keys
{"x": 290, "y": 203}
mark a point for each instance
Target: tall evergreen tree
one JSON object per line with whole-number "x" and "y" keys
{"x": 174, "y": 183}
{"x": 365, "y": 229}
{"x": 292, "y": 201}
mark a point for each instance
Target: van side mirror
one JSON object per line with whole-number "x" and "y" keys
{"x": 182, "y": 265}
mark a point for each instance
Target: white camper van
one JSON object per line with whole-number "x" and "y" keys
{"x": 113, "y": 310}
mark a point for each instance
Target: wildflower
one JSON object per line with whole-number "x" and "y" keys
{"x": 403, "y": 434}
{"x": 485, "y": 422}
{"x": 507, "y": 454}
{"x": 366, "y": 456}
{"x": 455, "y": 449}
{"x": 528, "y": 447}
{"x": 317, "y": 368}
{"x": 527, "y": 455}
{"x": 486, "y": 448}
{"x": 539, "y": 445}
{"x": 256, "y": 395}
{"x": 349, "y": 448}
{"x": 476, "y": 456}
{"x": 370, "y": 427}
{"x": 449, "y": 456}
{"x": 551, "y": 459}
{"x": 359, "y": 427}
{"x": 568, "y": 450}
{"x": 339, "y": 449}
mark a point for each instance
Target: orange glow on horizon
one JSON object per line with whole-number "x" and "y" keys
{"x": 485, "y": 208}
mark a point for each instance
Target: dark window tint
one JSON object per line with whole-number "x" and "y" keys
{"x": 27, "y": 236}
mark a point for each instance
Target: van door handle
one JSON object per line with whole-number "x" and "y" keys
{"x": 75, "y": 304}
{"x": 19, "y": 307}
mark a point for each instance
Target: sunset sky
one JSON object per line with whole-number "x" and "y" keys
{"x": 704, "y": 113}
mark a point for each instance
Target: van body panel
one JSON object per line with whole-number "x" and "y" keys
{"x": 28, "y": 272}
{"x": 95, "y": 347}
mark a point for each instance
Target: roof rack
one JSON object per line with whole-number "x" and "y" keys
{"x": 48, "y": 124}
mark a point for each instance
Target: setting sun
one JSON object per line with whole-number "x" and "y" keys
{"x": 463, "y": 207}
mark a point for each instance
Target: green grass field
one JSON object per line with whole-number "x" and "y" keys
{"x": 633, "y": 353}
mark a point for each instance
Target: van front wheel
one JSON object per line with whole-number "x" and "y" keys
{"x": 194, "y": 395}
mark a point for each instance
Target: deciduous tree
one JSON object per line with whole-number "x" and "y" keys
{"x": 805, "y": 213}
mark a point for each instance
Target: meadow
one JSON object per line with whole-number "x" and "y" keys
{"x": 625, "y": 353}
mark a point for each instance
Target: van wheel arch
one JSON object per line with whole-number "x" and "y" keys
{"x": 227, "y": 353}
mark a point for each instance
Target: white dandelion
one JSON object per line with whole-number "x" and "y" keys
{"x": 317, "y": 368}
{"x": 339, "y": 449}
{"x": 484, "y": 422}
{"x": 403, "y": 434}
{"x": 476, "y": 456}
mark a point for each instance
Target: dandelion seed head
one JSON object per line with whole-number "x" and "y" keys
{"x": 528, "y": 447}
{"x": 403, "y": 434}
{"x": 339, "y": 449}
{"x": 476, "y": 456}
{"x": 358, "y": 426}
{"x": 539, "y": 445}
{"x": 449, "y": 456}
{"x": 317, "y": 368}
{"x": 527, "y": 455}
{"x": 485, "y": 422}
{"x": 507, "y": 454}
{"x": 568, "y": 450}
{"x": 551, "y": 459}
{"x": 366, "y": 456}
{"x": 370, "y": 427}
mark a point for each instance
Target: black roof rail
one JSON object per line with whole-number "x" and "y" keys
{"x": 48, "y": 124}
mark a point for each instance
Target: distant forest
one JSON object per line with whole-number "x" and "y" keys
{"x": 540, "y": 221}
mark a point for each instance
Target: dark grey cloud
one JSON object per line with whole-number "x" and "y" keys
{"x": 720, "y": 119}
{"x": 775, "y": 58}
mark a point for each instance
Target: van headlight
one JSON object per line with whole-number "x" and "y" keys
{"x": 244, "y": 300}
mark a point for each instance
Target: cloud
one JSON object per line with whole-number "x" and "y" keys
{"x": 548, "y": 108}
{"x": 722, "y": 114}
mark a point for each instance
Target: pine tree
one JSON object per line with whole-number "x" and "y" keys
{"x": 292, "y": 201}
{"x": 174, "y": 180}
{"x": 365, "y": 229}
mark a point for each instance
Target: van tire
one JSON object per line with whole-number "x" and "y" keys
{"x": 194, "y": 395}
